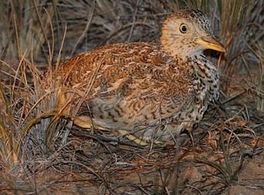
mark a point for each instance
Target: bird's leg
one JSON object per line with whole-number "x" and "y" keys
{"x": 64, "y": 105}
{"x": 138, "y": 140}
{"x": 176, "y": 129}
{"x": 133, "y": 138}
{"x": 191, "y": 137}
{"x": 83, "y": 122}
{"x": 86, "y": 122}
{"x": 190, "y": 134}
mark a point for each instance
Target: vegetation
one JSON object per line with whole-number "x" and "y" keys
{"x": 39, "y": 155}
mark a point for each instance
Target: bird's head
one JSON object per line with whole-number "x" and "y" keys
{"x": 187, "y": 33}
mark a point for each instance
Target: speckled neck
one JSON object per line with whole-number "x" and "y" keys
{"x": 207, "y": 74}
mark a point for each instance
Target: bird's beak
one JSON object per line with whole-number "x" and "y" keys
{"x": 209, "y": 42}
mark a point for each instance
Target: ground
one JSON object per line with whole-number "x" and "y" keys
{"x": 225, "y": 158}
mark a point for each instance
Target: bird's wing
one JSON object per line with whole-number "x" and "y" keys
{"x": 125, "y": 72}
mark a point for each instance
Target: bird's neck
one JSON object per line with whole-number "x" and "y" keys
{"x": 201, "y": 64}
{"x": 207, "y": 73}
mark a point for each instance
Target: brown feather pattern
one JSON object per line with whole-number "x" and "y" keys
{"x": 134, "y": 86}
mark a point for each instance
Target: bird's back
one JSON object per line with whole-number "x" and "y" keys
{"x": 128, "y": 85}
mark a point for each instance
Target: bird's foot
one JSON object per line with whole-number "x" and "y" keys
{"x": 86, "y": 122}
{"x": 189, "y": 133}
{"x": 83, "y": 122}
{"x": 138, "y": 140}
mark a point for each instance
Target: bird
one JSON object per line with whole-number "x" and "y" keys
{"x": 144, "y": 90}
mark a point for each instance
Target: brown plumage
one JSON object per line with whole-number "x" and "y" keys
{"x": 150, "y": 90}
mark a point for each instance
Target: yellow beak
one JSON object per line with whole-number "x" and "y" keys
{"x": 210, "y": 43}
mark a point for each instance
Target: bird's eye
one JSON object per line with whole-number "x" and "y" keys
{"x": 183, "y": 28}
